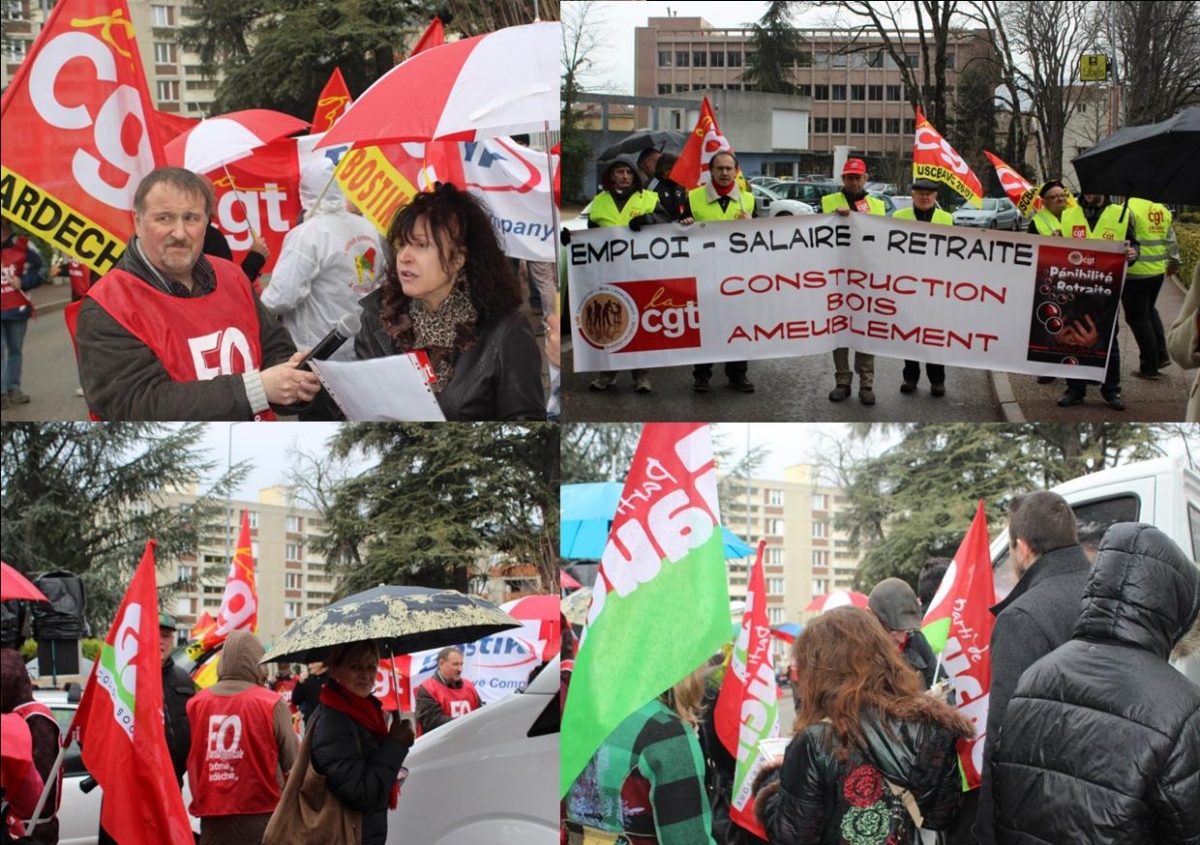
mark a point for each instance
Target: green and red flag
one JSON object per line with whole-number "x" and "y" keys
{"x": 120, "y": 720}
{"x": 934, "y": 158}
{"x": 660, "y": 606}
{"x": 959, "y": 621}
{"x": 747, "y": 709}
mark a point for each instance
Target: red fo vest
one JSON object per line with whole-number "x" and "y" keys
{"x": 454, "y": 702}
{"x": 29, "y": 711}
{"x": 195, "y": 338}
{"x": 12, "y": 265}
{"x": 232, "y": 762}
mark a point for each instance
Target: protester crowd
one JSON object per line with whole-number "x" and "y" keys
{"x": 1091, "y": 734}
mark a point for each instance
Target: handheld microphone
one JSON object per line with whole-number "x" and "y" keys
{"x": 346, "y": 328}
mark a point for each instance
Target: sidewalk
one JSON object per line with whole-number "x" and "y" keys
{"x": 51, "y": 296}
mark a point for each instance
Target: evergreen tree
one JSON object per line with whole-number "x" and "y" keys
{"x": 769, "y": 67}
{"x": 85, "y": 498}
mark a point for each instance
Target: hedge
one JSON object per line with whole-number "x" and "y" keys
{"x": 1189, "y": 249}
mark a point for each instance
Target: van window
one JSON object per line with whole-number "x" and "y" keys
{"x": 1096, "y": 517}
{"x": 1194, "y": 526}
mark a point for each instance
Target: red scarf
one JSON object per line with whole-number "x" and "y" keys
{"x": 723, "y": 192}
{"x": 368, "y": 712}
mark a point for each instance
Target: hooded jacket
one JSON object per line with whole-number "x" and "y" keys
{"x": 1101, "y": 740}
{"x": 818, "y": 799}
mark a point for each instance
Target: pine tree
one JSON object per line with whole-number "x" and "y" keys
{"x": 776, "y": 51}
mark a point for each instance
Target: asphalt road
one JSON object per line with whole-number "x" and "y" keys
{"x": 48, "y": 373}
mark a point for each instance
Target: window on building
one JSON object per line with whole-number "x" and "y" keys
{"x": 858, "y": 93}
{"x": 699, "y": 58}
{"x": 821, "y": 92}
{"x": 291, "y": 551}
{"x": 820, "y": 557}
{"x": 682, "y": 86}
{"x": 804, "y": 90}
{"x": 875, "y": 125}
{"x": 951, "y": 58}
{"x": 910, "y": 126}
{"x": 186, "y": 573}
{"x": 820, "y": 125}
{"x": 293, "y": 524}
{"x": 839, "y": 92}
{"x": 664, "y": 58}
{"x": 291, "y": 610}
{"x": 735, "y": 86}
{"x": 164, "y": 53}
{"x": 858, "y": 125}
{"x": 875, "y": 93}
{"x": 820, "y": 529}
{"x": 775, "y": 556}
{"x": 775, "y": 527}
{"x": 774, "y": 497}
{"x": 775, "y": 615}
{"x": 912, "y": 60}
{"x": 14, "y": 10}
{"x": 293, "y": 581}
{"x": 838, "y": 126}
{"x": 162, "y": 16}
{"x": 664, "y": 88}
{"x": 253, "y": 517}
{"x": 735, "y": 58}
{"x": 893, "y": 126}
{"x": 839, "y": 60}
{"x": 820, "y": 586}
{"x": 820, "y": 502}
{"x": 894, "y": 94}
{"x": 775, "y": 586}
{"x": 682, "y": 58}
{"x": 716, "y": 58}
{"x": 14, "y": 50}
{"x": 875, "y": 59}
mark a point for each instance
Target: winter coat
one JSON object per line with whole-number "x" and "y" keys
{"x": 178, "y": 688}
{"x": 918, "y": 654}
{"x": 497, "y": 379}
{"x": 1101, "y": 741}
{"x": 1037, "y": 617}
{"x": 816, "y": 799}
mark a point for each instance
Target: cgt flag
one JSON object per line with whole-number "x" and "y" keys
{"x": 960, "y": 618}
{"x": 935, "y": 159}
{"x": 706, "y": 140}
{"x": 239, "y": 605}
{"x": 747, "y": 710}
{"x": 121, "y": 724}
{"x": 660, "y": 606}
{"x": 79, "y": 132}
{"x": 331, "y": 102}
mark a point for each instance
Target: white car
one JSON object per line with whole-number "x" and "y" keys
{"x": 771, "y": 203}
{"x": 489, "y": 776}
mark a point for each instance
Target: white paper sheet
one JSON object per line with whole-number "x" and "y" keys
{"x": 388, "y": 389}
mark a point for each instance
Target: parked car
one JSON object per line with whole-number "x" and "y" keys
{"x": 489, "y": 776}
{"x": 997, "y": 213}
{"x": 809, "y": 193}
{"x": 772, "y": 203}
{"x": 901, "y": 202}
{"x": 889, "y": 204}
{"x": 769, "y": 181}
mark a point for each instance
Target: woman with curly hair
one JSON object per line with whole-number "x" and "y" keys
{"x": 872, "y": 757}
{"x": 449, "y": 292}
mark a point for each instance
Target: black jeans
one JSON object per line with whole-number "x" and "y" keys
{"x": 1138, "y": 298}
{"x": 936, "y": 372}
{"x": 1112, "y": 373}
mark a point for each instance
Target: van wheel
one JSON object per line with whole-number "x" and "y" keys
{"x": 784, "y": 214}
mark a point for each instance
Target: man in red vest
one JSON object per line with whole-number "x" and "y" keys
{"x": 243, "y": 746}
{"x": 447, "y": 694}
{"x": 172, "y": 334}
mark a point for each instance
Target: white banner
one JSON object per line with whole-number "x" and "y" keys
{"x": 515, "y": 183}
{"x": 787, "y": 286}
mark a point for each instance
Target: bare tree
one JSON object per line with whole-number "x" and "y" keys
{"x": 1155, "y": 45}
{"x": 988, "y": 17}
{"x": 581, "y": 44}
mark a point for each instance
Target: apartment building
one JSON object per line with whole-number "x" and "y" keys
{"x": 856, "y": 89}
{"x": 172, "y": 74}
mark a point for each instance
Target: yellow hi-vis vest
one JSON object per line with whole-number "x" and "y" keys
{"x": 604, "y": 210}
{"x": 1047, "y": 224}
{"x": 832, "y": 202}
{"x": 703, "y": 210}
{"x": 940, "y": 217}
{"x": 1151, "y": 225}
{"x": 1110, "y": 226}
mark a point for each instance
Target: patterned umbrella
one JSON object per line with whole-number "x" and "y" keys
{"x": 400, "y": 620}
{"x": 838, "y": 598}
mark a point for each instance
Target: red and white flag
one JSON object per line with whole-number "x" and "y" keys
{"x": 239, "y": 605}
{"x": 692, "y": 168}
{"x": 1023, "y": 194}
{"x": 331, "y": 102}
{"x": 963, "y": 605}
{"x": 934, "y": 158}
{"x": 120, "y": 720}
{"x": 747, "y": 709}
{"x": 79, "y": 132}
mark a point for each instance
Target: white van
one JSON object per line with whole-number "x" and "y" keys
{"x": 1164, "y": 492}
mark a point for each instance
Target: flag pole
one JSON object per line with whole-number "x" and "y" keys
{"x": 242, "y": 202}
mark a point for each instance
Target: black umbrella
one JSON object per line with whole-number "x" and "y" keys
{"x": 663, "y": 140}
{"x": 400, "y": 620}
{"x": 1159, "y": 162}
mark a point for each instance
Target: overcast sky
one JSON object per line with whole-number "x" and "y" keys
{"x": 265, "y": 446}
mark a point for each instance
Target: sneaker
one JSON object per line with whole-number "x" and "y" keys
{"x": 908, "y": 387}
{"x": 1045, "y": 379}
{"x": 1147, "y": 376}
{"x": 604, "y": 382}
{"x": 642, "y": 384}
{"x": 866, "y": 395}
{"x": 937, "y": 389}
{"x": 1113, "y": 400}
{"x": 701, "y": 385}
{"x": 1071, "y": 397}
{"x": 742, "y": 384}
{"x": 16, "y": 397}
{"x": 842, "y": 391}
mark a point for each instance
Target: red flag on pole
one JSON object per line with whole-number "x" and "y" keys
{"x": 964, "y": 599}
{"x": 934, "y": 158}
{"x": 691, "y": 170}
{"x": 433, "y": 36}
{"x": 239, "y": 605}
{"x": 747, "y": 709}
{"x": 79, "y": 132}
{"x": 121, "y": 724}
{"x": 202, "y": 625}
{"x": 1023, "y": 194}
{"x": 332, "y": 101}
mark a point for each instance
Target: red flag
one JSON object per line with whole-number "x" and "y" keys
{"x": 966, "y": 593}
{"x": 171, "y": 126}
{"x": 239, "y": 605}
{"x": 935, "y": 159}
{"x": 691, "y": 170}
{"x": 1023, "y": 194}
{"x": 121, "y": 724}
{"x": 333, "y": 100}
{"x": 747, "y": 709}
{"x": 79, "y": 132}
{"x": 433, "y": 36}
{"x": 202, "y": 625}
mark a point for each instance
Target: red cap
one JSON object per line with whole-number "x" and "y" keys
{"x": 854, "y": 165}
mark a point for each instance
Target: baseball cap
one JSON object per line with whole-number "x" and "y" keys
{"x": 854, "y": 165}
{"x": 924, "y": 185}
{"x": 166, "y": 620}
{"x": 895, "y": 603}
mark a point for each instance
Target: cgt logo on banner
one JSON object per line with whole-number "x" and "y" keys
{"x": 641, "y": 316}
{"x": 76, "y": 140}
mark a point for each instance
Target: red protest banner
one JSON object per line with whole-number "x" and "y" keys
{"x": 934, "y": 158}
